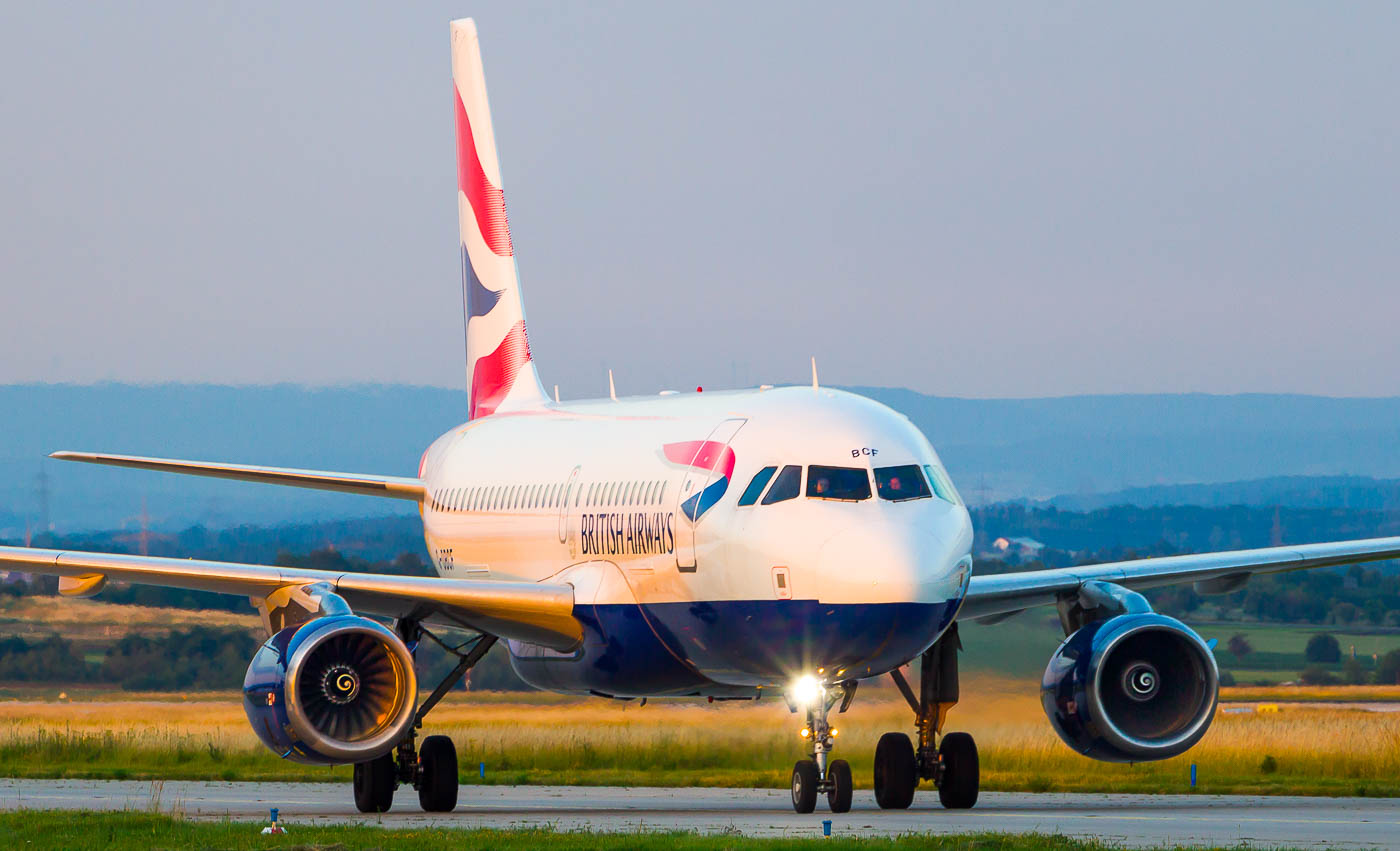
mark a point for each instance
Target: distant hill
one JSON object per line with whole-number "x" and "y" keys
{"x": 1352, "y": 492}
{"x": 1000, "y": 449}
{"x": 374, "y": 429}
{"x": 996, "y": 449}
{"x": 1176, "y": 528}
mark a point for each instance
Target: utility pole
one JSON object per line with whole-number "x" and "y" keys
{"x": 44, "y": 524}
{"x": 145, "y": 529}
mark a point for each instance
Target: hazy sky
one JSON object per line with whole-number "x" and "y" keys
{"x": 1033, "y": 199}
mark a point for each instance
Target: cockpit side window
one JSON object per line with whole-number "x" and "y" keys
{"x": 786, "y": 486}
{"x": 942, "y": 485}
{"x": 900, "y": 483}
{"x": 848, "y": 483}
{"x": 756, "y": 485}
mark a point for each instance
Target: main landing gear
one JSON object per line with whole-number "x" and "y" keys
{"x": 952, "y": 764}
{"x": 816, "y": 774}
{"x": 430, "y": 768}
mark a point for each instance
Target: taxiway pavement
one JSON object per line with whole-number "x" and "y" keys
{"x": 1127, "y": 820}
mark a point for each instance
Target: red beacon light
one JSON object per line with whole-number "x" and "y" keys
{"x": 699, "y": 390}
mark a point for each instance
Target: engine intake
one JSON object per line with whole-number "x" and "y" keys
{"x": 1132, "y": 688}
{"x": 337, "y": 689}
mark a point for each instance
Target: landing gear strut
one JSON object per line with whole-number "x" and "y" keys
{"x": 431, "y": 769}
{"x": 817, "y": 774}
{"x": 950, "y": 763}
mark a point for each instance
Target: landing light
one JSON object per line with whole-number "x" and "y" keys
{"x": 806, "y": 691}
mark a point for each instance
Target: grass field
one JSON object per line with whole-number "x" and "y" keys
{"x": 536, "y": 738}
{"x": 547, "y": 739}
{"x": 142, "y": 832}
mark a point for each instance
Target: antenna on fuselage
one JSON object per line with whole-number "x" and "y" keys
{"x": 612, "y": 390}
{"x": 556, "y": 394}
{"x": 814, "y": 372}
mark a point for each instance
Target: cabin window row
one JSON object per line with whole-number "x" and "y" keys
{"x": 556, "y": 495}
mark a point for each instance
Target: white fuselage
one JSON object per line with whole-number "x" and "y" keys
{"x": 600, "y": 495}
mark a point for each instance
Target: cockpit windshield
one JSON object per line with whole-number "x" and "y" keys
{"x": 942, "y": 485}
{"x": 900, "y": 483}
{"x": 849, "y": 483}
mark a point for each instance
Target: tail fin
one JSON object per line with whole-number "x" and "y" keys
{"x": 500, "y": 374}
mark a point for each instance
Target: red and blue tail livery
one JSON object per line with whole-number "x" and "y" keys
{"x": 500, "y": 375}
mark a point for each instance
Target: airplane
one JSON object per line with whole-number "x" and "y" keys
{"x": 790, "y": 541}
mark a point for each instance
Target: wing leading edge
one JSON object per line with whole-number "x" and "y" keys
{"x": 396, "y": 487}
{"x": 537, "y": 613}
{"x": 1002, "y": 595}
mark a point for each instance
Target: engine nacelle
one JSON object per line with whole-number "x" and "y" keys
{"x": 338, "y": 689}
{"x": 1132, "y": 688}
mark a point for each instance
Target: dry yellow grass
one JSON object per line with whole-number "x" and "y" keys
{"x": 84, "y": 620}
{"x": 528, "y": 738}
{"x": 1330, "y": 694}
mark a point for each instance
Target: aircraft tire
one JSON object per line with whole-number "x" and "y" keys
{"x": 374, "y": 784}
{"x": 805, "y": 779}
{"x": 957, "y": 789}
{"x": 896, "y": 772}
{"x": 437, "y": 779}
{"x": 839, "y": 788}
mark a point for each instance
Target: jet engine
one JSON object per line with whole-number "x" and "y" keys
{"x": 337, "y": 689}
{"x": 1132, "y": 688}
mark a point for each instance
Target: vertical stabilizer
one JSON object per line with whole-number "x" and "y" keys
{"x": 500, "y": 374}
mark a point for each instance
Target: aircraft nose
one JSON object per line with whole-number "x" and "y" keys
{"x": 890, "y": 562}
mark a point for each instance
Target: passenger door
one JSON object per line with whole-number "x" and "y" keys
{"x": 566, "y": 535}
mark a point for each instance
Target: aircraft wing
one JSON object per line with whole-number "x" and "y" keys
{"x": 391, "y": 486}
{"x": 998, "y": 596}
{"x": 534, "y": 612}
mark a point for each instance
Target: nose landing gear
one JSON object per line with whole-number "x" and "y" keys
{"x": 952, "y": 764}
{"x": 817, "y": 773}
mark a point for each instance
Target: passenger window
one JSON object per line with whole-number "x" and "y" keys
{"x": 900, "y": 483}
{"x": 942, "y": 485}
{"x": 846, "y": 483}
{"x": 786, "y": 486}
{"x": 756, "y": 485}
